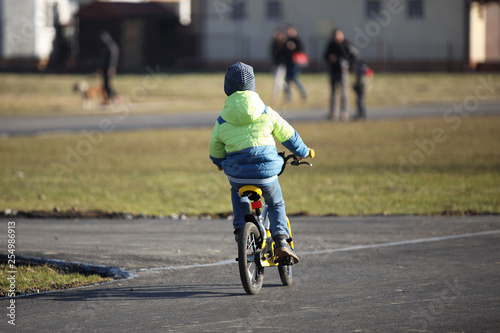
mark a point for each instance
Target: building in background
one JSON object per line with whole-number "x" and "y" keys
{"x": 390, "y": 34}
{"x": 148, "y": 34}
{"x": 59, "y": 34}
{"x": 28, "y": 30}
{"x": 211, "y": 34}
{"x": 484, "y": 48}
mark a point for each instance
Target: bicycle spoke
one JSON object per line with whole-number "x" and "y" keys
{"x": 252, "y": 272}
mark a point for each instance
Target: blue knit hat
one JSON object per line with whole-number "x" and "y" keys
{"x": 239, "y": 77}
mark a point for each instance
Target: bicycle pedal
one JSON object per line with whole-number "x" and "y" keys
{"x": 288, "y": 261}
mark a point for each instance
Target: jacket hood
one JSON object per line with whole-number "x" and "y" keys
{"x": 243, "y": 107}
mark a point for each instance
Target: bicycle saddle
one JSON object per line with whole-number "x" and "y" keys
{"x": 250, "y": 191}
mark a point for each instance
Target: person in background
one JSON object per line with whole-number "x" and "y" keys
{"x": 279, "y": 63}
{"x": 340, "y": 56}
{"x": 293, "y": 44}
{"x": 109, "y": 53}
{"x": 364, "y": 77}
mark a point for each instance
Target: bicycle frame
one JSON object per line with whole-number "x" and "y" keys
{"x": 256, "y": 247}
{"x": 266, "y": 257}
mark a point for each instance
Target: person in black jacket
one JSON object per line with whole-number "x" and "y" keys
{"x": 109, "y": 53}
{"x": 340, "y": 56}
{"x": 293, "y": 44}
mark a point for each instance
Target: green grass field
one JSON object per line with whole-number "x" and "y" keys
{"x": 46, "y": 94}
{"x": 34, "y": 278}
{"x": 360, "y": 168}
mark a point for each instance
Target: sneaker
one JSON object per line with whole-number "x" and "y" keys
{"x": 283, "y": 249}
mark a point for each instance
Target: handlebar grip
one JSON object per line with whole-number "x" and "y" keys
{"x": 312, "y": 153}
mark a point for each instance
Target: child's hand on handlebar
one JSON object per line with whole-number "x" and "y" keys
{"x": 311, "y": 154}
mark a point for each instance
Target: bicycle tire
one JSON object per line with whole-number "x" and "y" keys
{"x": 286, "y": 275}
{"x": 251, "y": 275}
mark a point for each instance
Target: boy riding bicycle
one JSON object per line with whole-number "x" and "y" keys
{"x": 242, "y": 144}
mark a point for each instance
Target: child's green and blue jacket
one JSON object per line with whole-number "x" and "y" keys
{"x": 242, "y": 141}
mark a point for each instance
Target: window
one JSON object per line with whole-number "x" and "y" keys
{"x": 239, "y": 10}
{"x": 415, "y": 9}
{"x": 274, "y": 10}
{"x": 372, "y": 8}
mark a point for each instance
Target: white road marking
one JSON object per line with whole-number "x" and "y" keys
{"x": 343, "y": 249}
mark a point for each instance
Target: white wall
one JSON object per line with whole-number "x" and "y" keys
{"x": 477, "y": 33}
{"x": 26, "y": 32}
{"x": 18, "y": 29}
{"x": 438, "y": 36}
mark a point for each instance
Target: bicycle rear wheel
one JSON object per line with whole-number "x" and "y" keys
{"x": 251, "y": 275}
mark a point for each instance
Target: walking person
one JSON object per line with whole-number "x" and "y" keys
{"x": 293, "y": 44}
{"x": 109, "y": 53}
{"x": 279, "y": 63}
{"x": 339, "y": 55}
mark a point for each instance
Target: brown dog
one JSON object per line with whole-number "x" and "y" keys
{"x": 91, "y": 95}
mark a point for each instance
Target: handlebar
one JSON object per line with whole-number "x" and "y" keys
{"x": 296, "y": 161}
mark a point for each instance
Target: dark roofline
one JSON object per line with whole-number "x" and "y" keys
{"x": 485, "y": 1}
{"x": 117, "y": 10}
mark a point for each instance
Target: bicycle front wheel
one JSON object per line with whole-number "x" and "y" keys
{"x": 251, "y": 275}
{"x": 285, "y": 274}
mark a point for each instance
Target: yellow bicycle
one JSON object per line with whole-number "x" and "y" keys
{"x": 256, "y": 248}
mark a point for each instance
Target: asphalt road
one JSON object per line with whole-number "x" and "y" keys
{"x": 357, "y": 274}
{"x": 121, "y": 119}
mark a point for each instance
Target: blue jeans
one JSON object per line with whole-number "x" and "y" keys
{"x": 292, "y": 75}
{"x": 274, "y": 200}
{"x": 341, "y": 79}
